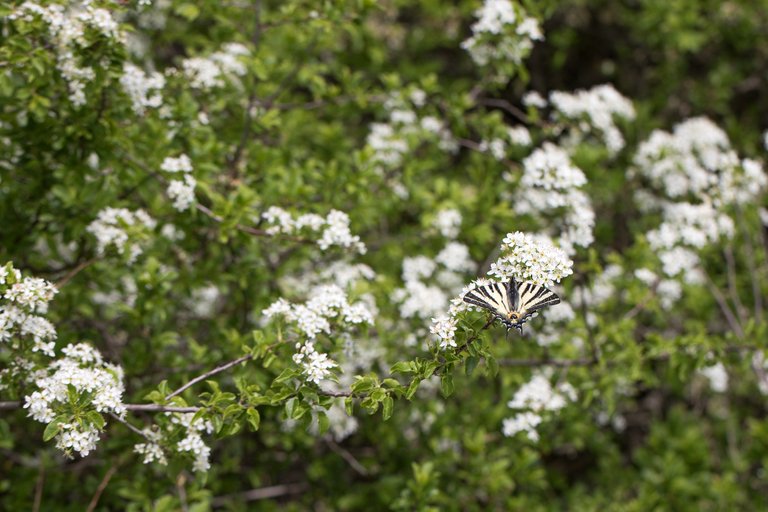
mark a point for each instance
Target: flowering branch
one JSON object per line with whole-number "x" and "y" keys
{"x": 472, "y": 338}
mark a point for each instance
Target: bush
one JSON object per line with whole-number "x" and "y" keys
{"x": 239, "y": 236}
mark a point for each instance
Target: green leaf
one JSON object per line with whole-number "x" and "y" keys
{"x": 470, "y": 364}
{"x": 402, "y": 367}
{"x": 96, "y": 419}
{"x": 412, "y": 387}
{"x": 446, "y": 385}
{"x": 349, "y": 405}
{"x": 387, "y": 405}
{"x": 51, "y": 430}
{"x": 254, "y": 418}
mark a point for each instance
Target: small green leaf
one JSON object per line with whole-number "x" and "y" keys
{"x": 446, "y": 385}
{"x": 51, "y": 430}
{"x": 349, "y": 405}
{"x": 254, "y": 419}
{"x": 388, "y": 405}
{"x": 470, "y": 364}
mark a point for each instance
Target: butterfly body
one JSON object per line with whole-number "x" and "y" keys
{"x": 512, "y": 302}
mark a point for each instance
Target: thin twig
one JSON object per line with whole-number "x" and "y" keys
{"x": 732, "y": 289}
{"x": 160, "y": 408}
{"x": 506, "y": 106}
{"x": 100, "y": 489}
{"x": 757, "y": 294}
{"x": 723, "y": 303}
{"x": 560, "y": 363}
{"x": 211, "y": 373}
{"x": 39, "y": 487}
{"x": 640, "y": 306}
{"x": 472, "y": 338}
{"x": 262, "y": 493}
{"x": 72, "y": 273}
{"x": 180, "y": 482}
{"x": 129, "y": 426}
{"x": 344, "y": 454}
{"x": 10, "y": 405}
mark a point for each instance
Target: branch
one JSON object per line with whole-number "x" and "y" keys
{"x": 723, "y": 303}
{"x": 472, "y": 338}
{"x": 263, "y": 493}
{"x": 100, "y": 489}
{"x": 344, "y": 454}
{"x": 72, "y": 273}
{"x": 204, "y": 376}
{"x": 160, "y": 408}
{"x": 560, "y": 363}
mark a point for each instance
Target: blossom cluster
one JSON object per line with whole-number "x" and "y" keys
{"x": 192, "y": 443}
{"x": 428, "y": 283}
{"x": 532, "y": 402}
{"x": 68, "y": 28}
{"x": 502, "y": 32}
{"x": 23, "y": 298}
{"x": 390, "y": 141}
{"x": 552, "y": 185}
{"x": 82, "y": 369}
{"x": 328, "y": 304}
{"x": 181, "y": 191}
{"x": 122, "y": 229}
{"x": 524, "y": 257}
{"x": 333, "y": 229}
{"x": 209, "y": 72}
{"x": 694, "y": 175}
{"x": 594, "y": 109}
{"x": 533, "y": 258}
{"x": 143, "y": 89}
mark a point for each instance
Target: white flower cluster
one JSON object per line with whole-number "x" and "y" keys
{"x": 597, "y": 109}
{"x": 533, "y": 400}
{"x": 151, "y": 450}
{"x": 502, "y": 32}
{"x": 531, "y": 258}
{"x": 697, "y": 175}
{"x": 717, "y": 377}
{"x": 67, "y": 28}
{"x": 25, "y": 297}
{"x": 390, "y": 141}
{"x": 209, "y": 72}
{"x": 116, "y": 227}
{"x": 448, "y": 222}
{"x": 552, "y": 184}
{"x": 334, "y": 228}
{"x": 316, "y": 365}
{"x": 327, "y": 303}
{"x": 202, "y": 301}
{"x": 696, "y": 161}
{"x": 143, "y": 89}
{"x": 193, "y": 442}
{"x": 181, "y": 191}
{"x": 84, "y": 369}
{"x": 429, "y": 283}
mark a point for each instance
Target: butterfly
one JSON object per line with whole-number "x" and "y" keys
{"x": 512, "y": 302}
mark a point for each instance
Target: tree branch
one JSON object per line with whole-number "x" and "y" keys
{"x": 472, "y": 338}
{"x": 100, "y": 489}
{"x": 211, "y": 373}
{"x": 262, "y": 493}
{"x": 560, "y": 363}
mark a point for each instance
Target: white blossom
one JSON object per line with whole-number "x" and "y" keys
{"x": 143, "y": 89}
{"x": 181, "y": 163}
{"x": 534, "y": 400}
{"x": 717, "y": 376}
{"x": 599, "y": 106}
{"x": 529, "y": 258}
{"x": 182, "y": 192}
{"x": 111, "y": 229}
{"x": 448, "y": 222}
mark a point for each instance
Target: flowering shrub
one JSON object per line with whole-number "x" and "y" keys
{"x": 237, "y": 237}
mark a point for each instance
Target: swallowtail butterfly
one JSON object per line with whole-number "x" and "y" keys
{"x": 512, "y": 302}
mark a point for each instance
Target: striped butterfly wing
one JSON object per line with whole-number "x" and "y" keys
{"x": 511, "y": 302}
{"x": 532, "y": 298}
{"x": 499, "y": 298}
